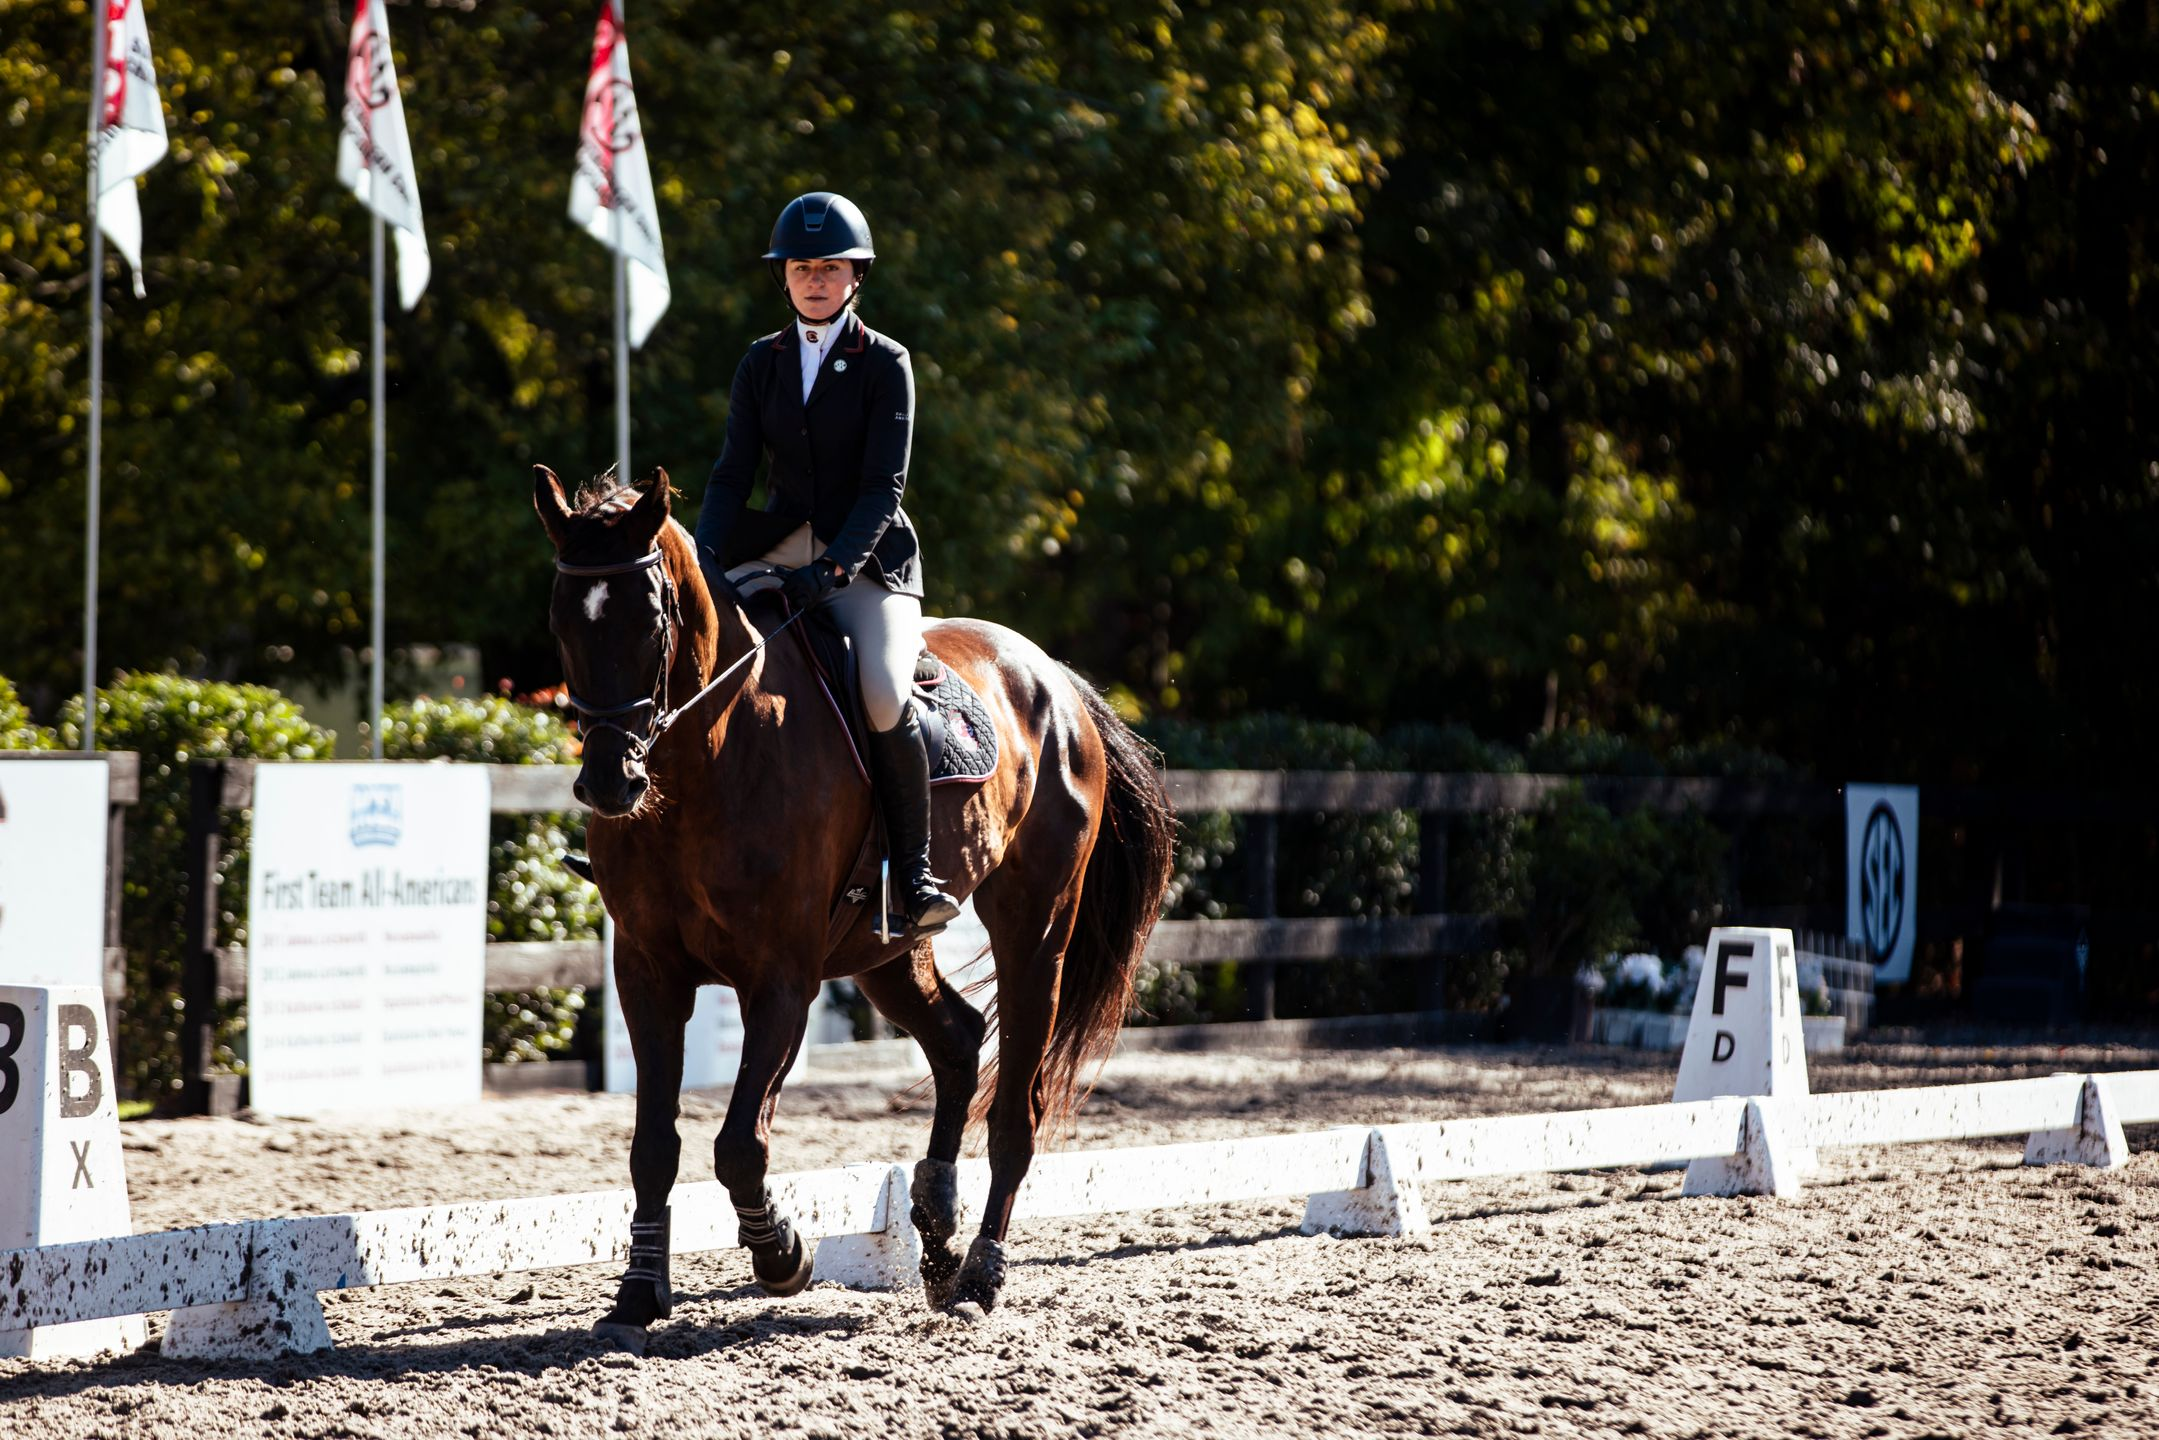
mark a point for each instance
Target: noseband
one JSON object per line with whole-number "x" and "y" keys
{"x": 658, "y": 719}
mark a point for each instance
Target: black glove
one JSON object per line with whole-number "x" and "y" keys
{"x": 808, "y": 584}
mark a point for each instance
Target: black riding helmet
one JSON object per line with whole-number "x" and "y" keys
{"x": 820, "y": 226}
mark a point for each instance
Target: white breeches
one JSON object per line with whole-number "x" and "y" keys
{"x": 886, "y": 628}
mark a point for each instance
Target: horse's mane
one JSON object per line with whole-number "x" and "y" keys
{"x": 607, "y": 493}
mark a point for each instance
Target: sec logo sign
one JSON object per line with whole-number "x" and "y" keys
{"x": 1881, "y": 875}
{"x": 1881, "y": 882}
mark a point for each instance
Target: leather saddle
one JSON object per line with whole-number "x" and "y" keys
{"x": 957, "y": 728}
{"x": 832, "y": 654}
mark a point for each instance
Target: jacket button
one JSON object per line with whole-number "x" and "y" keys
{"x": 805, "y": 429}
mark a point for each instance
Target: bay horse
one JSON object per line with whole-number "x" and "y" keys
{"x": 723, "y": 832}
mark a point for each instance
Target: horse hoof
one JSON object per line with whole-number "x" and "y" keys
{"x": 982, "y": 1276}
{"x": 622, "y": 1337}
{"x": 940, "y": 1276}
{"x": 789, "y": 1273}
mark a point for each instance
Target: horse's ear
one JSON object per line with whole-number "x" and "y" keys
{"x": 547, "y": 499}
{"x": 649, "y": 517}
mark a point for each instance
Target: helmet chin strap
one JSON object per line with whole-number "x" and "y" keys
{"x": 833, "y": 319}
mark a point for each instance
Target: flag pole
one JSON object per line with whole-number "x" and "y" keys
{"x": 375, "y": 406}
{"x": 97, "y": 382}
{"x": 622, "y": 345}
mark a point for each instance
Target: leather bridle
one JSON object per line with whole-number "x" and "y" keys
{"x": 619, "y": 718}
{"x": 657, "y": 718}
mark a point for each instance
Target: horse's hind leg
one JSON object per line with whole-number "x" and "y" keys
{"x": 912, "y": 995}
{"x": 1029, "y": 935}
{"x": 654, "y": 1010}
{"x": 773, "y": 1019}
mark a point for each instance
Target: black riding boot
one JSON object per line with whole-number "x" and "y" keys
{"x": 903, "y": 788}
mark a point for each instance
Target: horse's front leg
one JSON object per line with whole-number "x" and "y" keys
{"x": 773, "y": 1017}
{"x": 654, "y": 1010}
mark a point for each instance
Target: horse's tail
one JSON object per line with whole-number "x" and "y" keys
{"x": 1128, "y": 874}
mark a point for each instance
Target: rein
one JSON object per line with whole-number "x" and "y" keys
{"x": 598, "y": 717}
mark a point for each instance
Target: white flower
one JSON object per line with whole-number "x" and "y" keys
{"x": 1641, "y": 969}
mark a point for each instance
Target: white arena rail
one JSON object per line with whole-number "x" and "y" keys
{"x": 1609, "y": 1139}
{"x": 125, "y": 1275}
{"x": 1169, "y": 1177}
{"x": 248, "y": 1290}
{"x": 1944, "y": 1112}
{"x": 2135, "y": 1093}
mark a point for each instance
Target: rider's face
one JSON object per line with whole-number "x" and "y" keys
{"x": 820, "y": 288}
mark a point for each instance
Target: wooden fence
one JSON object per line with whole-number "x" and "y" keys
{"x": 1260, "y": 942}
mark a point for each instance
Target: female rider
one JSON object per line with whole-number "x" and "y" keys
{"x": 831, "y": 403}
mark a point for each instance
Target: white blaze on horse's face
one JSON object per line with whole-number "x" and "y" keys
{"x": 596, "y": 600}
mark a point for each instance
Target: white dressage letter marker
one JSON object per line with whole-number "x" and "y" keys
{"x": 60, "y": 1129}
{"x": 2096, "y": 1138}
{"x": 1384, "y": 1205}
{"x": 886, "y": 1259}
{"x": 1765, "y": 1162}
{"x": 1745, "y": 1037}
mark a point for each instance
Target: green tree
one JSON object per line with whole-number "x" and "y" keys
{"x": 1069, "y": 203}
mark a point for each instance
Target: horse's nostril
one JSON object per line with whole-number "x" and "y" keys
{"x": 577, "y": 788}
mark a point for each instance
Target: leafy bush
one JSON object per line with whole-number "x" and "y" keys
{"x": 1587, "y": 883}
{"x": 1580, "y": 869}
{"x": 492, "y": 730}
{"x": 1456, "y": 749}
{"x": 17, "y": 730}
{"x": 171, "y": 721}
{"x": 530, "y": 895}
{"x": 530, "y": 1024}
{"x": 1683, "y": 890}
{"x": 1589, "y": 752}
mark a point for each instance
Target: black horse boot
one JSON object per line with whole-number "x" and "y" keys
{"x": 902, "y": 759}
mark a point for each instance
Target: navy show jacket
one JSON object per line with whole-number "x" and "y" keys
{"x": 838, "y": 459}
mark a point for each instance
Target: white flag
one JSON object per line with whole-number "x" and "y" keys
{"x": 613, "y": 177}
{"x": 130, "y": 129}
{"x": 374, "y": 153}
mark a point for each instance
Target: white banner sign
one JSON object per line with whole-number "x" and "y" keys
{"x": 1881, "y": 874}
{"x": 52, "y": 872}
{"x": 366, "y": 936}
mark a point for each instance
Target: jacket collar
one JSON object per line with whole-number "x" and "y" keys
{"x": 852, "y": 340}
